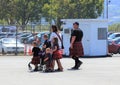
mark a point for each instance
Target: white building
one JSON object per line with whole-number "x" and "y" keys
{"x": 94, "y": 39}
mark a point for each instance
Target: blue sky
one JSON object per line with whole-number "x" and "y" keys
{"x": 114, "y": 11}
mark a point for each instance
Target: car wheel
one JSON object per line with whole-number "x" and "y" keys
{"x": 3, "y": 52}
{"x": 119, "y": 50}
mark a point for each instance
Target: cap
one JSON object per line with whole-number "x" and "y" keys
{"x": 76, "y": 23}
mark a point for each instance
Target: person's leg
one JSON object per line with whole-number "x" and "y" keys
{"x": 74, "y": 58}
{"x": 78, "y": 62}
{"x": 53, "y": 64}
{"x": 60, "y": 68}
{"x": 36, "y": 67}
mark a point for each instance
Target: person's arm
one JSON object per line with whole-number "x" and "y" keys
{"x": 32, "y": 51}
{"x": 73, "y": 37}
{"x": 44, "y": 46}
{"x": 54, "y": 49}
{"x": 72, "y": 41}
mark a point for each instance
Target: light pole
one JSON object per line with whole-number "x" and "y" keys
{"x": 16, "y": 52}
{"x": 107, "y": 3}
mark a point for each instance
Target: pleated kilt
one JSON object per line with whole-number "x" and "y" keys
{"x": 57, "y": 54}
{"x": 35, "y": 60}
{"x": 77, "y": 49}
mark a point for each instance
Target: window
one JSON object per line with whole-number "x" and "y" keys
{"x": 118, "y": 35}
{"x": 102, "y": 33}
{"x": 66, "y": 31}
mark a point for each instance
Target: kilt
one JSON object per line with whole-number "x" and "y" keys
{"x": 57, "y": 54}
{"x": 35, "y": 60}
{"x": 77, "y": 49}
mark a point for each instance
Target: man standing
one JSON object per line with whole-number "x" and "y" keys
{"x": 76, "y": 48}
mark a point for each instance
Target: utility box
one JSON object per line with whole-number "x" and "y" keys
{"x": 95, "y": 36}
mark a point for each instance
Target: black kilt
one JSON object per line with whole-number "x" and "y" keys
{"x": 35, "y": 60}
{"x": 77, "y": 49}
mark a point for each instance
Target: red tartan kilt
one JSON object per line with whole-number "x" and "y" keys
{"x": 57, "y": 54}
{"x": 77, "y": 49}
{"x": 35, "y": 60}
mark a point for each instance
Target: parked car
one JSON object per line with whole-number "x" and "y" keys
{"x": 23, "y": 37}
{"x": 8, "y": 45}
{"x": 116, "y": 40}
{"x": 113, "y": 47}
{"x": 2, "y": 35}
{"x": 109, "y": 33}
{"x": 39, "y": 35}
{"x": 113, "y": 36}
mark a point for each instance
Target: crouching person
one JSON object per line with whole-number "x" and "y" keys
{"x": 36, "y": 59}
{"x": 48, "y": 61}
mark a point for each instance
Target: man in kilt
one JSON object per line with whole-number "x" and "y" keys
{"x": 76, "y": 48}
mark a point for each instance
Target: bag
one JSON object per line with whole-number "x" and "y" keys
{"x": 60, "y": 40}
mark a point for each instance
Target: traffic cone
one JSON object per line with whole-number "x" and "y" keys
{"x": 25, "y": 50}
{"x": 30, "y": 51}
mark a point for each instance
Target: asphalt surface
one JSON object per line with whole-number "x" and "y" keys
{"x": 94, "y": 71}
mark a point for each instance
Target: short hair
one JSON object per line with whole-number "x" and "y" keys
{"x": 76, "y": 23}
{"x": 55, "y": 40}
{"x": 48, "y": 49}
{"x": 34, "y": 42}
{"x": 45, "y": 36}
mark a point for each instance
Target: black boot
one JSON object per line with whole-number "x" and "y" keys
{"x": 36, "y": 69}
{"x": 75, "y": 66}
{"x": 79, "y": 63}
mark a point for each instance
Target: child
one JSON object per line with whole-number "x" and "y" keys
{"x": 36, "y": 58}
{"x": 47, "y": 43}
{"x": 56, "y": 54}
{"x": 48, "y": 60}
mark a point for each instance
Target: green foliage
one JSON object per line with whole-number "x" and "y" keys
{"x": 114, "y": 27}
{"x": 58, "y": 9}
{"x": 23, "y": 11}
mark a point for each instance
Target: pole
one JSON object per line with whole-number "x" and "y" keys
{"x": 16, "y": 52}
{"x": 107, "y": 11}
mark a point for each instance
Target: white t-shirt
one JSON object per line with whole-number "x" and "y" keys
{"x": 53, "y": 35}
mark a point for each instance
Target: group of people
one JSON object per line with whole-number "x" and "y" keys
{"x": 52, "y": 48}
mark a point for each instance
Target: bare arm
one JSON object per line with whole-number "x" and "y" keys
{"x": 44, "y": 46}
{"x": 72, "y": 41}
{"x": 55, "y": 49}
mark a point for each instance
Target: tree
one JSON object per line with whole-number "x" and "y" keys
{"x": 23, "y": 11}
{"x": 7, "y": 11}
{"x": 114, "y": 27}
{"x": 27, "y": 10}
{"x": 58, "y": 9}
{"x": 20, "y": 11}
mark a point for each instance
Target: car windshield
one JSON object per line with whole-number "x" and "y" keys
{"x": 112, "y": 36}
{"x": 9, "y": 40}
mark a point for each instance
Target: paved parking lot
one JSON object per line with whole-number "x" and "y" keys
{"x": 94, "y": 71}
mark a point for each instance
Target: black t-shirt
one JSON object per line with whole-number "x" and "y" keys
{"x": 78, "y": 34}
{"x": 36, "y": 51}
{"x": 56, "y": 46}
{"x": 47, "y": 43}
